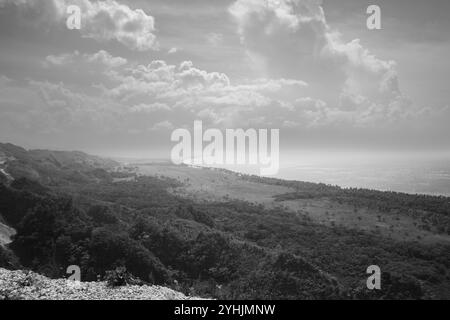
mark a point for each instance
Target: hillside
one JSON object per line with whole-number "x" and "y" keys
{"x": 51, "y": 167}
{"x": 23, "y": 285}
{"x": 220, "y": 234}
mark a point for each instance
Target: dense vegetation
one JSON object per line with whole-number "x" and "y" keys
{"x": 223, "y": 250}
{"x": 437, "y": 208}
{"x": 159, "y": 244}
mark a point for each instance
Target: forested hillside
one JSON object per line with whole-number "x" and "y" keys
{"x": 73, "y": 209}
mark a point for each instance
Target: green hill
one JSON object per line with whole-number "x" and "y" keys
{"x": 214, "y": 233}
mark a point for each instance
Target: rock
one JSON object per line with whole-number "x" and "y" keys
{"x": 26, "y": 285}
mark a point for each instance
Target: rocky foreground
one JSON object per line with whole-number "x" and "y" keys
{"x": 27, "y": 285}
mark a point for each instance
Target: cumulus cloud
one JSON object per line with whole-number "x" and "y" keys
{"x": 293, "y": 39}
{"x": 199, "y": 94}
{"x": 142, "y": 98}
{"x": 290, "y": 39}
{"x": 146, "y": 101}
{"x": 100, "y": 20}
{"x": 109, "y": 20}
{"x": 106, "y": 59}
{"x": 304, "y": 78}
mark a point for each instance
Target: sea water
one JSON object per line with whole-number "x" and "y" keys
{"x": 410, "y": 172}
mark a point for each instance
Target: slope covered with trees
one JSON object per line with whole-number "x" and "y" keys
{"x": 228, "y": 250}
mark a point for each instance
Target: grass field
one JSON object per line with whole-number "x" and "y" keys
{"x": 203, "y": 184}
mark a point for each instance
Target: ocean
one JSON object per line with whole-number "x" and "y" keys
{"x": 409, "y": 173}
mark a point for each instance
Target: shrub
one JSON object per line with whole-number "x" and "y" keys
{"x": 120, "y": 277}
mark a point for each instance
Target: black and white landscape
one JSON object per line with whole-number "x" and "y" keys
{"x": 232, "y": 149}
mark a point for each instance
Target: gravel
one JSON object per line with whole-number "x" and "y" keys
{"x": 27, "y": 285}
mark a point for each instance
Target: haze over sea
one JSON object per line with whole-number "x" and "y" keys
{"x": 402, "y": 172}
{"x": 409, "y": 172}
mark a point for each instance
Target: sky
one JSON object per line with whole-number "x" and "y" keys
{"x": 137, "y": 70}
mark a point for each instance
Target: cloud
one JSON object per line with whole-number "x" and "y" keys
{"x": 99, "y": 60}
{"x": 291, "y": 38}
{"x": 195, "y": 93}
{"x": 163, "y": 125}
{"x": 130, "y": 97}
{"x": 62, "y": 59}
{"x": 136, "y": 102}
{"x": 214, "y": 39}
{"x": 109, "y": 20}
{"x": 106, "y": 59}
{"x": 101, "y": 20}
{"x": 137, "y": 97}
